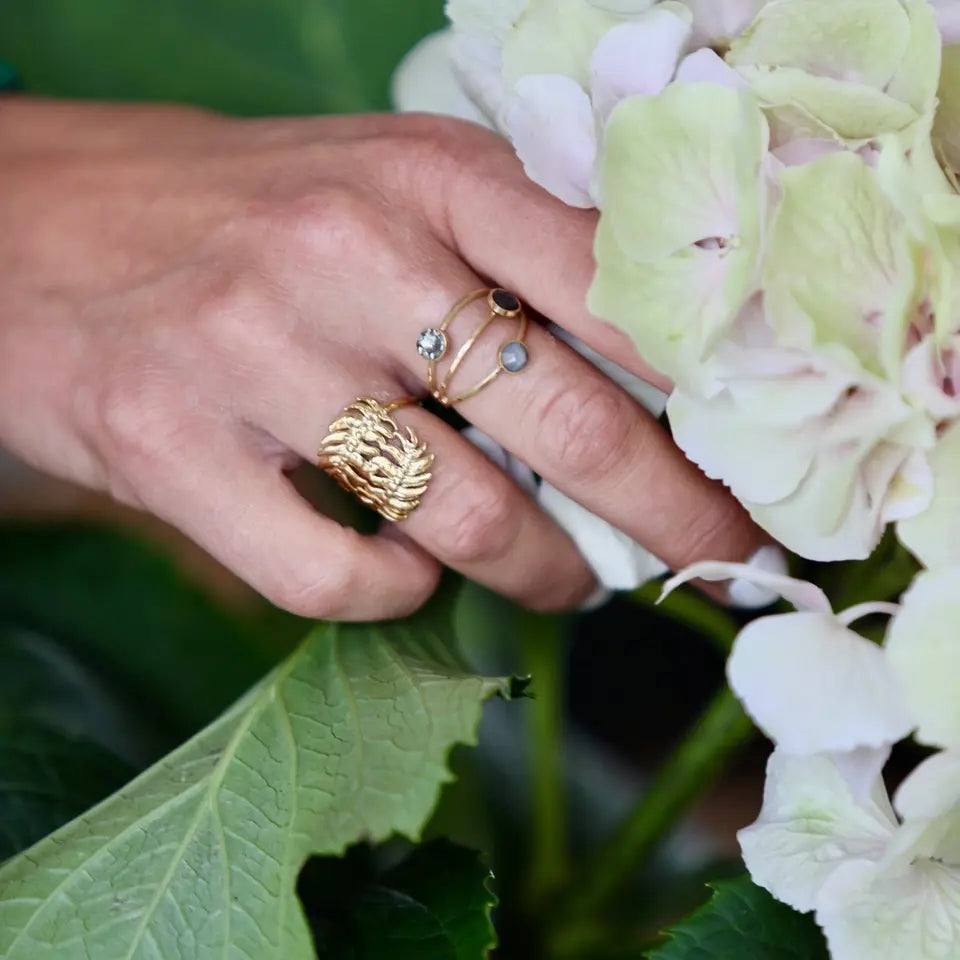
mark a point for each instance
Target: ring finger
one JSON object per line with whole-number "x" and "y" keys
{"x": 473, "y": 518}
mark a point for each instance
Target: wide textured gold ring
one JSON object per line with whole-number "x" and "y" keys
{"x": 385, "y": 466}
{"x": 434, "y": 344}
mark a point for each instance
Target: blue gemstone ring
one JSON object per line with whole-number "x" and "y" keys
{"x": 434, "y": 344}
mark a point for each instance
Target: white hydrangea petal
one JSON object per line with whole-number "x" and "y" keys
{"x": 425, "y": 81}
{"x": 929, "y": 803}
{"x": 550, "y": 120}
{"x": 619, "y": 562}
{"x": 933, "y": 788}
{"x": 923, "y": 650}
{"x": 814, "y": 686}
{"x": 705, "y": 66}
{"x": 871, "y": 914}
{"x": 747, "y": 595}
{"x": 760, "y": 463}
{"x": 948, "y": 19}
{"x": 637, "y": 58}
{"x": 933, "y": 536}
{"x": 803, "y": 595}
{"x": 476, "y": 65}
{"x": 716, "y": 23}
{"x": 810, "y": 824}
{"x": 490, "y": 19}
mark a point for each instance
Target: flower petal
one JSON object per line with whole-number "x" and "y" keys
{"x": 705, "y": 66}
{"x": 716, "y": 23}
{"x": 550, "y": 121}
{"x": 839, "y": 264}
{"x": 804, "y": 596}
{"x": 425, "y": 82}
{"x": 814, "y": 686}
{"x": 759, "y": 462}
{"x": 857, "y": 41}
{"x": 682, "y": 168}
{"x": 923, "y": 650}
{"x": 809, "y": 825}
{"x": 619, "y": 562}
{"x": 869, "y": 914}
{"x": 933, "y": 536}
{"x": 638, "y": 57}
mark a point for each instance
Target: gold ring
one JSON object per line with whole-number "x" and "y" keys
{"x": 385, "y": 466}
{"x": 433, "y": 344}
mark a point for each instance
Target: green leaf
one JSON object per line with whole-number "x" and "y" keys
{"x": 240, "y": 56}
{"x": 124, "y": 612}
{"x": 47, "y": 778}
{"x": 743, "y": 921}
{"x": 435, "y": 904}
{"x": 199, "y": 856}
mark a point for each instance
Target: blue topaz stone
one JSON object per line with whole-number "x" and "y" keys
{"x": 432, "y": 344}
{"x": 514, "y": 356}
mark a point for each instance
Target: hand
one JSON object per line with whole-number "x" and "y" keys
{"x": 187, "y": 301}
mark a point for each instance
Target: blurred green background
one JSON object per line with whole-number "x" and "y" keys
{"x": 240, "y": 56}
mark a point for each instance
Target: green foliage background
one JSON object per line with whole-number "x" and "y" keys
{"x": 241, "y": 56}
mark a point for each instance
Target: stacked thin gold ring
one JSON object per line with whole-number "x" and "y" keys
{"x": 434, "y": 343}
{"x": 387, "y": 466}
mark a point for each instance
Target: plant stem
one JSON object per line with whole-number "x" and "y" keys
{"x": 543, "y": 654}
{"x": 721, "y": 729}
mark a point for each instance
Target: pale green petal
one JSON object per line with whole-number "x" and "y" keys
{"x": 933, "y": 536}
{"x": 810, "y": 824}
{"x": 665, "y": 307}
{"x": 915, "y": 82}
{"x": 853, "y": 111}
{"x": 555, "y": 36}
{"x": 841, "y": 264}
{"x": 682, "y": 168}
{"x": 923, "y": 647}
{"x": 851, "y": 40}
{"x": 946, "y": 127}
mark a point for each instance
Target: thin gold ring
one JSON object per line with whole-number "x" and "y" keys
{"x": 387, "y": 467}
{"x": 434, "y": 343}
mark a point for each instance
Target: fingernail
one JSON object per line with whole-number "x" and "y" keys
{"x": 748, "y": 596}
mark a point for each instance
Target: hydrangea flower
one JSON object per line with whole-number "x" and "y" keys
{"x": 882, "y": 879}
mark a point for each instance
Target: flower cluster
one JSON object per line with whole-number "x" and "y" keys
{"x": 883, "y": 879}
{"x": 778, "y": 183}
{"x": 779, "y": 232}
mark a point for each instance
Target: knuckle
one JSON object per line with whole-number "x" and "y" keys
{"x": 587, "y": 432}
{"x": 133, "y": 415}
{"x": 309, "y": 592}
{"x": 475, "y": 522}
{"x": 237, "y": 313}
{"x": 330, "y": 223}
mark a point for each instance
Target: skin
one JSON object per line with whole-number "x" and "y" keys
{"x": 187, "y": 301}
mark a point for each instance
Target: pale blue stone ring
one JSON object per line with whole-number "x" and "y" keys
{"x": 434, "y": 343}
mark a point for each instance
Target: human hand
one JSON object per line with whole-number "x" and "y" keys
{"x": 186, "y": 301}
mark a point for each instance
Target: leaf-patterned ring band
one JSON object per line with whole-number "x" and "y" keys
{"x": 385, "y": 466}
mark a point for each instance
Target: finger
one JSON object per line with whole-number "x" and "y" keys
{"x": 473, "y": 518}
{"x": 242, "y": 509}
{"x": 509, "y": 228}
{"x": 586, "y": 436}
